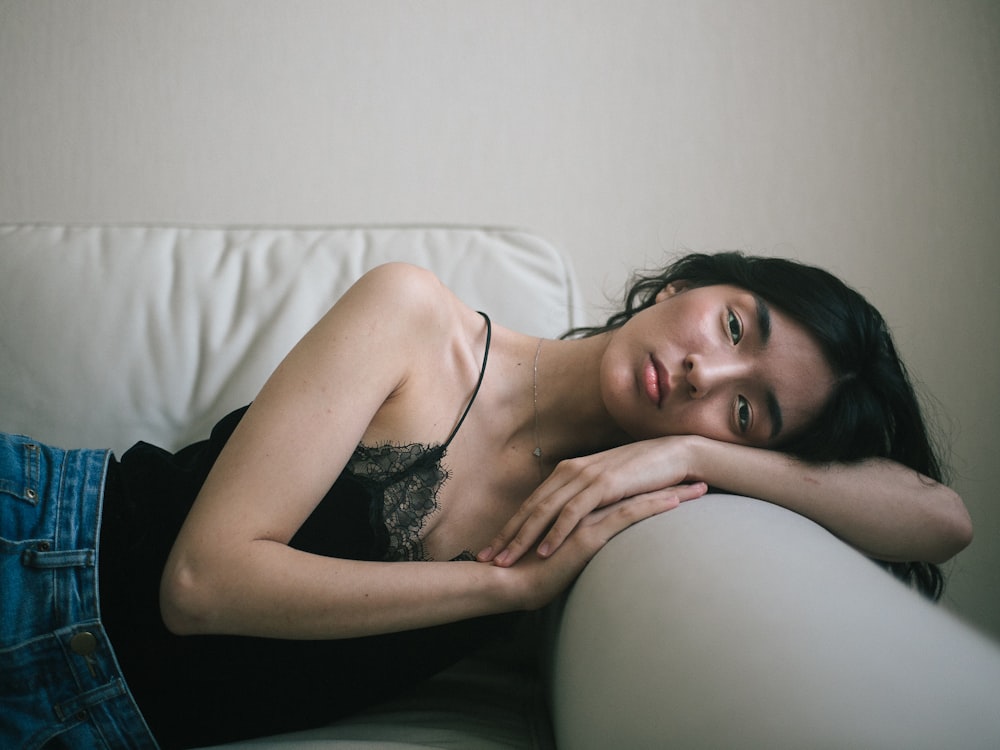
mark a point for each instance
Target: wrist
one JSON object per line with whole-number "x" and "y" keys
{"x": 696, "y": 457}
{"x": 505, "y": 588}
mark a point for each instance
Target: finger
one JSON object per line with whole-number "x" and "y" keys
{"x": 517, "y": 531}
{"x": 615, "y": 519}
{"x": 592, "y": 487}
{"x": 518, "y": 542}
{"x": 692, "y": 491}
{"x": 607, "y": 523}
{"x": 508, "y": 532}
{"x": 572, "y": 514}
{"x": 584, "y": 496}
{"x": 663, "y": 499}
{"x": 562, "y": 499}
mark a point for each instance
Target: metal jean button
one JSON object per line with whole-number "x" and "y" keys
{"x": 83, "y": 644}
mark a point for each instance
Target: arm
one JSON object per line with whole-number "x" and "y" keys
{"x": 886, "y": 510}
{"x": 231, "y": 569}
{"x": 280, "y": 592}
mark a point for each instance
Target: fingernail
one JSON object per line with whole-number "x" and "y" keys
{"x": 502, "y": 558}
{"x": 544, "y": 550}
{"x": 485, "y": 555}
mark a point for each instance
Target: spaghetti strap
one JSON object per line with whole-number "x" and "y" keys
{"x": 482, "y": 374}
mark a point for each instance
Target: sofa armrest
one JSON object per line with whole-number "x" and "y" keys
{"x": 731, "y": 622}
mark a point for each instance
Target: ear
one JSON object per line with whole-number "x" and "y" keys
{"x": 671, "y": 289}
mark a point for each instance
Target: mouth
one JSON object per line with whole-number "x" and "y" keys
{"x": 655, "y": 381}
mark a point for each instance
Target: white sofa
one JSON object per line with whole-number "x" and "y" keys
{"x": 728, "y": 622}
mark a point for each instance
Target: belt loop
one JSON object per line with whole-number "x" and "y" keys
{"x": 32, "y": 472}
{"x": 42, "y": 557}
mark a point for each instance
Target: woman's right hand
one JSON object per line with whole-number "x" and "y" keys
{"x": 539, "y": 580}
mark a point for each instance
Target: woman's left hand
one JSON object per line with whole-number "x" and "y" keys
{"x": 649, "y": 468}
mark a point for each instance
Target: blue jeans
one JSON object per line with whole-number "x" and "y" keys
{"x": 60, "y": 683}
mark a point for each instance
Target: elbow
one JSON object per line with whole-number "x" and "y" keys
{"x": 961, "y": 538}
{"x": 957, "y": 528}
{"x": 963, "y": 533}
{"x": 183, "y": 599}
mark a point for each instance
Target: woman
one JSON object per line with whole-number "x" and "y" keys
{"x": 317, "y": 552}
{"x": 871, "y": 412}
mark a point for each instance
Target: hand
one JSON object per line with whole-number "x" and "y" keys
{"x": 537, "y": 580}
{"x": 650, "y": 470}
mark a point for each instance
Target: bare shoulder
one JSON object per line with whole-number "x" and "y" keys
{"x": 395, "y": 317}
{"x": 415, "y": 338}
{"x": 411, "y": 299}
{"x": 404, "y": 281}
{"x": 413, "y": 307}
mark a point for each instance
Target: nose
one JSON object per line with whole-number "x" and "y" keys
{"x": 706, "y": 373}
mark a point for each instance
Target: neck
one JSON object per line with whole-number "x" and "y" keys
{"x": 572, "y": 419}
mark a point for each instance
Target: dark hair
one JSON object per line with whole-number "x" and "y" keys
{"x": 873, "y": 411}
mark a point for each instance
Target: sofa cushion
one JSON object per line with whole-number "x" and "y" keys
{"x": 109, "y": 335}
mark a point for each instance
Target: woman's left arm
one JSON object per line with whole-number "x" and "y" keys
{"x": 885, "y": 510}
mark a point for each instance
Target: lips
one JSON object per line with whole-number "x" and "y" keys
{"x": 655, "y": 381}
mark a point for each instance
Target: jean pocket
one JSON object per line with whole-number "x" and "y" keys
{"x": 20, "y": 468}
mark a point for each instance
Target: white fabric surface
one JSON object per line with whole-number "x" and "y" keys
{"x": 110, "y": 335}
{"x": 731, "y": 622}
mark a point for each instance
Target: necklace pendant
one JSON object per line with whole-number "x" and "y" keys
{"x": 537, "y": 453}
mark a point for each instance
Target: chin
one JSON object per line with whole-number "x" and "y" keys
{"x": 637, "y": 430}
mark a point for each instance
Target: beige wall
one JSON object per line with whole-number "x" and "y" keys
{"x": 859, "y": 135}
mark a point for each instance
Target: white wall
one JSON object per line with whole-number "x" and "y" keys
{"x": 861, "y": 135}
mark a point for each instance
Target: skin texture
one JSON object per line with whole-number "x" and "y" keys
{"x": 397, "y": 359}
{"x": 705, "y": 361}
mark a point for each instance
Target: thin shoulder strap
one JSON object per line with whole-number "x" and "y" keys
{"x": 482, "y": 374}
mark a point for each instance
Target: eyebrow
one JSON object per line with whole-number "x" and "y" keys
{"x": 764, "y": 328}
{"x": 763, "y": 319}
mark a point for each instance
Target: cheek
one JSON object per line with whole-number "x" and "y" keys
{"x": 613, "y": 379}
{"x": 707, "y": 418}
{"x": 618, "y": 396}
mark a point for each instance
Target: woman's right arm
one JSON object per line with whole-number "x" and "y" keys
{"x": 231, "y": 569}
{"x": 279, "y": 592}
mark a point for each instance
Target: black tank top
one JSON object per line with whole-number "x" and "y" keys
{"x": 200, "y": 690}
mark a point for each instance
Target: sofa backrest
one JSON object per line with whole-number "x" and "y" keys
{"x": 109, "y": 335}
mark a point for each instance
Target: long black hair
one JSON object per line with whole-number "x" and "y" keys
{"x": 873, "y": 410}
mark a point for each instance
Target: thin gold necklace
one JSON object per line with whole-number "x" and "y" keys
{"x": 534, "y": 395}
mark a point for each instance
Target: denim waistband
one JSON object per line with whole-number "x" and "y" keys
{"x": 59, "y": 676}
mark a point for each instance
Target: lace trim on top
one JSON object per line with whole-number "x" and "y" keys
{"x": 404, "y": 481}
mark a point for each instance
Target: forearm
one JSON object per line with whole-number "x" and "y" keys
{"x": 885, "y": 510}
{"x": 277, "y": 591}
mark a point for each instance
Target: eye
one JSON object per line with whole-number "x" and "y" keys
{"x": 735, "y": 326}
{"x": 743, "y": 414}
